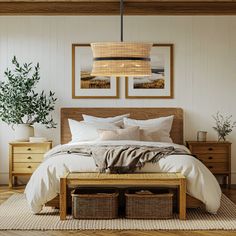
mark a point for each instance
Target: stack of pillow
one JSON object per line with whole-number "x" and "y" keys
{"x": 121, "y": 128}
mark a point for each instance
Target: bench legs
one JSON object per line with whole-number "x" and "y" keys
{"x": 182, "y": 199}
{"x": 63, "y": 200}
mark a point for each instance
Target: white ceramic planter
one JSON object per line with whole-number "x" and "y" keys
{"x": 23, "y": 132}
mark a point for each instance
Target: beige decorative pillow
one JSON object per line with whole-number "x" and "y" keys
{"x": 152, "y": 134}
{"x": 130, "y": 133}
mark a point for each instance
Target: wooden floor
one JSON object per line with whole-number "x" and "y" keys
{"x": 6, "y": 193}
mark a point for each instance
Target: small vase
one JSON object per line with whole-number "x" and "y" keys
{"x": 221, "y": 138}
{"x": 23, "y": 132}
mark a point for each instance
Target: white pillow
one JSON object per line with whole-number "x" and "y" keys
{"x": 161, "y": 126}
{"x": 116, "y": 119}
{"x": 82, "y": 131}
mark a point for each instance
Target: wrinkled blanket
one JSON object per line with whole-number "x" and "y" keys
{"x": 120, "y": 159}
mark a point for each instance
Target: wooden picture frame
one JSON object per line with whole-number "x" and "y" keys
{"x": 88, "y": 92}
{"x": 164, "y": 83}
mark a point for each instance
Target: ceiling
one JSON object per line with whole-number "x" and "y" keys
{"x": 111, "y": 7}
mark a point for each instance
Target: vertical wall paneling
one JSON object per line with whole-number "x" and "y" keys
{"x": 204, "y": 64}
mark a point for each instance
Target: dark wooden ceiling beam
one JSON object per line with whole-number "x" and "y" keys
{"x": 182, "y": 8}
{"x": 112, "y": 8}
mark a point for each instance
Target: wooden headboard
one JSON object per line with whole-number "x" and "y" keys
{"x": 135, "y": 113}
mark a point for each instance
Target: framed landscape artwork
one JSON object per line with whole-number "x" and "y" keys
{"x": 160, "y": 83}
{"x": 84, "y": 85}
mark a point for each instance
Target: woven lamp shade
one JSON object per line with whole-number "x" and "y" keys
{"x": 121, "y": 59}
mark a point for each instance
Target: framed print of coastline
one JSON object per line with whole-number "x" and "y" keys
{"x": 84, "y": 85}
{"x": 160, "y": 83}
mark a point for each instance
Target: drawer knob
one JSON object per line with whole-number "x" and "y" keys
{"x": 210, "y": 149}
{"x": 210, "y": 158}
{"x": 29, "y": 158}
{"x": 210, "y": 167}
{"x": 29, "y": 167}
{"x": 29, "y": 149}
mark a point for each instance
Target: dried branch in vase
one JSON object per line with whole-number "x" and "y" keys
{"x": 224, "y": 125}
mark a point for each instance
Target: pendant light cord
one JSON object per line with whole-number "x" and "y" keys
{"x": 121, "y": 19}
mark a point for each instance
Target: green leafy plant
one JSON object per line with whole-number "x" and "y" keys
{"x": 224, "y": 125}
{"x": 19, "y": 103}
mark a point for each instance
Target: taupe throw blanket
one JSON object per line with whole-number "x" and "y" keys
{"x": 119, "y": 159}
{"x": 125, "y": 159}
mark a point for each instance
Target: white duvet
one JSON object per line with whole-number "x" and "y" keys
{"x": 44, "y": 183}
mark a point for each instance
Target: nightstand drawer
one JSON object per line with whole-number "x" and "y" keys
{"x": 30, "y": 149}
{"x": 213, "y": 157}
{"x": 25, "y": 168}
{"x": 209, "y": 149}
{"x": 217, "y": 166}
{"x": 22, "y": 157}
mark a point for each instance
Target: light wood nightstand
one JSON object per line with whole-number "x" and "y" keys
{"x": 215, "y": 155}
{"x": 24, "y": 158}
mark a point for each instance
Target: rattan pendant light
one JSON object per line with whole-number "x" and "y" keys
{"x": 121, "y": 58}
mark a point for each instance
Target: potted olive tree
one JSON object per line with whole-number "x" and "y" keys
{"x": 22, "y": 107}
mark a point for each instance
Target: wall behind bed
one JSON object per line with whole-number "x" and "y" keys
{"x": 204, "y": 60}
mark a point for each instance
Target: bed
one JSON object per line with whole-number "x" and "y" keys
{"x": 197, "y": 173}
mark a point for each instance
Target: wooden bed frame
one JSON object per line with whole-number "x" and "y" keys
{"x": 135, "y": 113}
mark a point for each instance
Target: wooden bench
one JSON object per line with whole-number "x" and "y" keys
{"x": 126, "y": 180}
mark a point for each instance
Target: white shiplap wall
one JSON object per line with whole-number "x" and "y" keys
{"x": 204, "y": 59}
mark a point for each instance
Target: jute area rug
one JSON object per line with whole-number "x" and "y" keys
{"x": 15, "y": 215}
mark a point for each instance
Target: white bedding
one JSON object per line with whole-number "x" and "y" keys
{"x": 44, "y": 183}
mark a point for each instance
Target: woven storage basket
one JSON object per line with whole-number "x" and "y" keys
{"x": 148, "y": 206}
{"x": 91, "y": 203}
